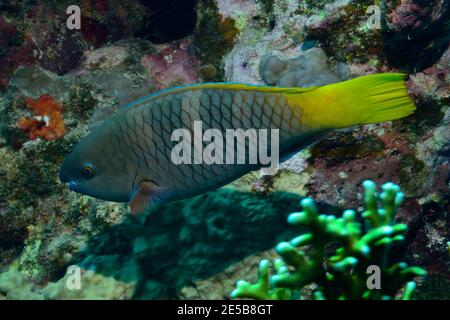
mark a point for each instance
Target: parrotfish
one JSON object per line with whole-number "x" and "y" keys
{"x": 129, "y": 157}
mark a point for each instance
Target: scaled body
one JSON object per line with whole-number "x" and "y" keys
{"x": 129, "y": 156}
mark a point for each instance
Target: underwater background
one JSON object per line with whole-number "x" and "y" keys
{"x": 57, "y": 84}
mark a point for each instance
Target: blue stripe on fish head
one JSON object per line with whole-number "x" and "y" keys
{"x": 97, "y": 168}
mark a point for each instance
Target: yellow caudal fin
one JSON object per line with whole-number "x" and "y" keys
{"x": 369, "y": 99}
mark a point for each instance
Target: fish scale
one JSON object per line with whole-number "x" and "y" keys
{"x": 217, "y": 109}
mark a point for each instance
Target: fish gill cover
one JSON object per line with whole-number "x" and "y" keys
{"x": 58, "y": 84}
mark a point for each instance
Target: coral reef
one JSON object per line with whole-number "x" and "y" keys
{"x": 416, "y": 33}
{"x": 128, "y": 49}
{"x": 220, "y": 285}
{"x": 214, "y": 36}
{"x": 341, "y": 273}
{"x": 386, "y": 152}
{"x": 14, "y": 286}
{"x": 187, "y": 240}
{"x": 158, "y": 255}
{"x": 172, "y": 65}
{"x": 40, "y": 217}
{"x": 39, "y": 33}
{"x": 356, "y": 42}
{"x": 17, "y": 49}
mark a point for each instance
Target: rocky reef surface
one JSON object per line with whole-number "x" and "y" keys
{"x": 58, "y": 84}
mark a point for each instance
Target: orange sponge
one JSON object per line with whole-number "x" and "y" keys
{"x": 48, "y": 122}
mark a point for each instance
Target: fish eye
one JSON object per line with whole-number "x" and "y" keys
{"x": 88, "y": 171}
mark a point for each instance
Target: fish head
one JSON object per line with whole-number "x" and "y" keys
{"x": 95, "y": 168}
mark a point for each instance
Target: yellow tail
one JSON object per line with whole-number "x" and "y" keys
{"x": 369, "y": 99}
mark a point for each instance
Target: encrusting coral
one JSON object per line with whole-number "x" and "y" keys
{"x": 309, "y": 69}
{"x": 48, "y": 122}
{"x": 344, "y": 273}
{"x": 172, "y": 65}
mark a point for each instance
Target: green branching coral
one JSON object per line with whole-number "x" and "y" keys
{"x": 339, "y": 254}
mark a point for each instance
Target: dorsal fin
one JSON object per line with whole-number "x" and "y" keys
{"x": 214, "y": 85}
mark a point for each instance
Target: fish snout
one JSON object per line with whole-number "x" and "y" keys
{"x": 73, "y": 185}
{"x": 66, "y": 180}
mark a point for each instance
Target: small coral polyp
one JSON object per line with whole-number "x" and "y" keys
{"x": 343, "y": 274}
{"x": 48, "y": 121}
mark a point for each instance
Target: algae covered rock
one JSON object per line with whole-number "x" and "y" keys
{"x": 308, "y": 70}
{"x": 90, "y": 286}
{"x": 186, "y": 240}
{"x": 93, "y": 286}
{"x": 14, "y": 286}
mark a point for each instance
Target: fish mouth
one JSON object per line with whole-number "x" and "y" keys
{"x": 70, "y": 183}
{"x": 73, "y": 186}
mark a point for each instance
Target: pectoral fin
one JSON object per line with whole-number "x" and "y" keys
{"x": 143, "y": 196}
